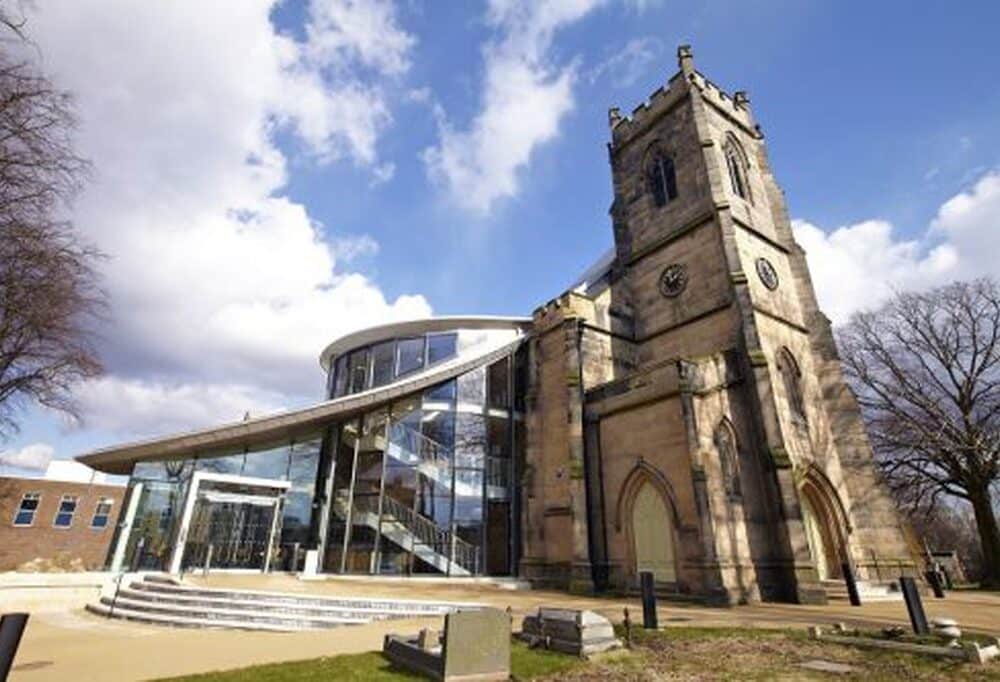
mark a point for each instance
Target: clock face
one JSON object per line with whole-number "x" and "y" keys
{"x": 673, "y": 279}
{"x": 768, "y": 275}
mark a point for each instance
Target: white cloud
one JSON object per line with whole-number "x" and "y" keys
{"x": 630, "y": 63}
{"x": 34, "y": 457}
{"x": 858, "y": 266}
{"x": 122, "y": 405}
{"x": 223, "y": 289}
{"x": 525, "y": 96}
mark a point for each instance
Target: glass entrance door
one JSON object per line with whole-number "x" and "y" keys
{"x": 230, "y": 533}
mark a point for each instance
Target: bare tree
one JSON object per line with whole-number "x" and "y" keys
{"x": 926, "y": 370}
{"x": 49, "y": 289}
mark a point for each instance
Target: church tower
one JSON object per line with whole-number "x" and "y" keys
{"x": 711, "y": 436}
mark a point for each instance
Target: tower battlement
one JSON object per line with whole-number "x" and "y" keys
{"x": 735, "y": 106}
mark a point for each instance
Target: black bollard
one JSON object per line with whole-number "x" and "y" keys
{"x": 11, "y": 628}
{"x": 914, "y": 606}
{"x": 936, "y": 582}
{"x": 648, "y": 601}
{"x": 852, "y": 583}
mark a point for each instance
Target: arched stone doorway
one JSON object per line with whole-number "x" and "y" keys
{"x": 652, "y": 535}
{"x": 825, "y": 522}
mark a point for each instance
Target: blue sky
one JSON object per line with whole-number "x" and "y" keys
{"x": 272, "y": 175}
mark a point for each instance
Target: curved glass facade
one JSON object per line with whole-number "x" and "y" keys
{"x": 423, "y": 485}
{"x": 381, "y": 363}
{"x": 420, "y": 484}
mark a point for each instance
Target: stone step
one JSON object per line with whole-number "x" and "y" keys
{"x": 868, "y": 591}
{"x": 209, "y": 614}
{"x": 405, "y": 606}
{"x": 101, "y": 609}
{"x": 198, "y": 601}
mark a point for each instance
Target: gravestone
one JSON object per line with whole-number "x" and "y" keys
{"x": 914, "y": 606}
{"x": 475, "y": 646}
{"x": 851, "y": 580}
{"x": 649, "y": 620}
{"x": 570, "y": 631}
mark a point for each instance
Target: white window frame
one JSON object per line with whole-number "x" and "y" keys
{"x": 72, "y": 514}
{"x": 20, "y": 508}
{"x": 107, "y": 517}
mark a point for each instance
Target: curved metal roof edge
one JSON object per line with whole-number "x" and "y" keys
{"x": 363, "y": 337}
{"x": 278, "y": 424}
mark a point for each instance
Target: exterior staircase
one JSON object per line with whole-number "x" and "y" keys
{"x": 414, "y": 532}
{"x": 164, "y": 601}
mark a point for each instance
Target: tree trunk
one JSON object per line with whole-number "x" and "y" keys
{"x": 989, "y": 535}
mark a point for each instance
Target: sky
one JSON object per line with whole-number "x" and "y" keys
{"x": 271, "y": 175}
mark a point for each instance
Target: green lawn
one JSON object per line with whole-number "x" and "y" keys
{"x": 678, "y": 653}
{"x": 526, "y": 664}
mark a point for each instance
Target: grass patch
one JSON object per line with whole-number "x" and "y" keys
{"x": 525, "y": 663}
{"x": 676, "y": 653}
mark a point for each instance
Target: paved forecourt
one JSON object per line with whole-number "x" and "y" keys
{"x": 71, "y": 644}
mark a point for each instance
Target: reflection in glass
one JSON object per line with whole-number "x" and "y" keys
{"x": 383, "y": 361}
{"x": 441, "y": 347}
{"x": 411, "y": 355}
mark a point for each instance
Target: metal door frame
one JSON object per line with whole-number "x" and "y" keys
{"x": 280, "y": 487}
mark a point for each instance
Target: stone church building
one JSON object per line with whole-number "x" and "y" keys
{"x": 681, "y": 410}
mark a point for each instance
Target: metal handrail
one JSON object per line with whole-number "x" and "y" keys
{"x": 412, "y": 441}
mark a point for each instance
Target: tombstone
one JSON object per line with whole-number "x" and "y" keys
{"x": 11, "y": 628}
{"x": 475, "y": 646}
{"x": 571, "y": 631}
{"x": 851, "y": 581}
{"x": 914, "y": 606}
{"x": 648, "y": 601}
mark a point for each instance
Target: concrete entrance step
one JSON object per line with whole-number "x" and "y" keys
{"x": 162, "y": 600}
{"x": 404, "y": 607}
{"x": 868, "y": 591}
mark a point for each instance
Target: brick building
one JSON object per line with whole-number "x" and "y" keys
{"x": 65, "y": 523}
{"x": 681, "y": 410}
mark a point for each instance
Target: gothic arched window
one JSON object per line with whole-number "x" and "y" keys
{"x": 729, "y": 457}
{"x": 737, "y": 165}
{"x": 791, "y": 376}
{"x": 661, "y": 177}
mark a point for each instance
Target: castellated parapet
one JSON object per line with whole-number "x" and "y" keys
{"x": 735, "y": 107}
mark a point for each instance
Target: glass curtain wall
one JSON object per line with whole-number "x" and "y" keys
{"x": 166, "y": 486}
{"x": 423, "y": 485}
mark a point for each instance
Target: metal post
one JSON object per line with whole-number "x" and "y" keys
{"x": 936, "y": 581}
{"x": 350, "y": 495}
{"x": 270, "y": 538}
{"x": 649, "y": 619}
{"x": 376, "y": 563}
{"x": 852, "y": 583}
{"x": 140, "y": 545}
{"x": 12, "y": 626}
{"x": 125, "y": 528}
{"x": 208, "y": 559}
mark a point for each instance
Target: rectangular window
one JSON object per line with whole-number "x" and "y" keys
{"x": 340, "y": 383}
{"x": 410, "y": 356}
{"x": 497, "y": 391}
{"x": 358, "y": 371}
{"x": 440, "y": 347}
{"x": 101, "y": 513}
{"x": 383, "y": 359}
{"x": 67, "y": 508}
{"x": 26, "y": 510}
